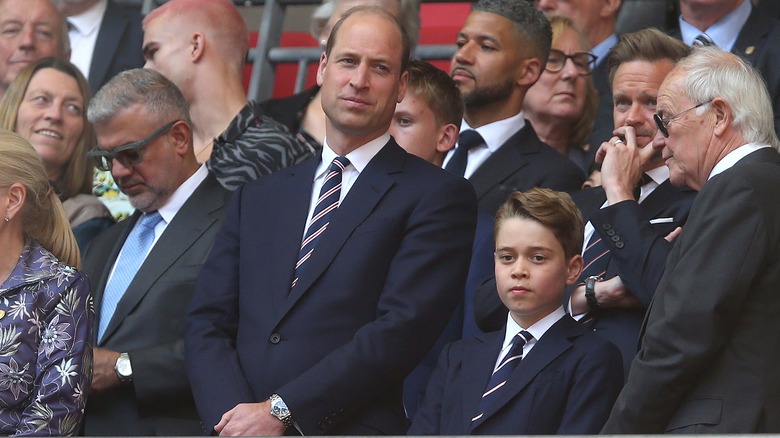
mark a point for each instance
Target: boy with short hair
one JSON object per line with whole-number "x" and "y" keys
{"x": 543, "y": 373}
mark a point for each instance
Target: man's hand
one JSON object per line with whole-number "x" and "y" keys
{"x": 622, "y": 163}
{"x": 104, "y": 377}
{"x": 250, "y": 419}
{"x": 673, "y": 234}
{"x": 610, "y": 294}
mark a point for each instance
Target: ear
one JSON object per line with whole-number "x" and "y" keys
{"x": 14, "y": 198}
{"x": 529, "y": 72}
{"x": 321, "y": 68}
{"x": 610, "y": 8}
{"x": 448, "y": 136}
{"x": 724, "y": 117}
{"x": 402, "y": 86}
{"x": 180, "y": 137}
{"x": 198, "y": 44}
{"x": 574, "y": 269}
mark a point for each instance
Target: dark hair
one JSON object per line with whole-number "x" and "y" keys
{"x": 405, "y": 42}
{"x": 555, "y": 210}
{"x": 649, "y": 45}
{"x": 438, "y": 90}
{"x": 529, "y": 22}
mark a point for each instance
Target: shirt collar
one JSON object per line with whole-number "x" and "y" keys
{"x": 497, "y": 133}
{"x": 601, "y": 50}
{"x": 723, "y": 32}
{"x": 89, "y": 21}
{"x": 537, "y": 330}
{"x": 182, "y": 194}
{"x": 659, "y": 174}
{"x": 358, "y": 158}
{"x": 734, "y": 156}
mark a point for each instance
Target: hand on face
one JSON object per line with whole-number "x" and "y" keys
{"x": 622, "y": 162}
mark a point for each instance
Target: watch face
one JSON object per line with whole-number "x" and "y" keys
{"x": 279, "y": 410}
{"x": 123, "y": 368}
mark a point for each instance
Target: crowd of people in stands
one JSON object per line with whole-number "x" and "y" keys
{"x": 569, "y": 231}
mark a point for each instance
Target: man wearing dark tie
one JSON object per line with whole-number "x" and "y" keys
{"x": 331, "y": 279}
{"x": 501, "y": 52}
{"x": 709, "y": 349}
{"x": 143, "y": 269}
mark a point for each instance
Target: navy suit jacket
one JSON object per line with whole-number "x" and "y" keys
{"x": 380, "y": 286}
{"x": 521, "y": 163}
{"x": 149, "y": 320}
{"x": 565, "y": 385}
{"x": 118, "y": 45}
{"x": 709, "y": 350}
{"x": 605, "y": 122}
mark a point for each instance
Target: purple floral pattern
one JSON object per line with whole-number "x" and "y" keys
{"x": 46, "y": 320}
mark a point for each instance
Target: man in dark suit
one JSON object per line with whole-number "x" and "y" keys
{"x": 739, "y": 27}
{"x": 709, "y": 350}
{"x": 105, "y": 37}
{"x": 143, "y": 269}
{"x": 330, "y": 280}
{"x": 498, "y": 150}
{"x": 542, "y": 373}
{"x": 597, "y": 20}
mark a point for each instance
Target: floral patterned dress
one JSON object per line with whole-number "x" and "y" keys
{"x": 46, "y": 321}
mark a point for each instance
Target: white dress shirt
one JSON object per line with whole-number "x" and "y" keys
{"x": 84, "y": 29}
{"x": 723, "y": 32}
{"x": 537, "y": 331}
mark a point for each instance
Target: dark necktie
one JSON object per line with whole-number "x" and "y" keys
{"x": 326, "y": 205}
{"x": 501, "y": 375}
{"x": 646, "y": 179}
{"x": 703, "y": 40}
{"x": 468, "y": 140}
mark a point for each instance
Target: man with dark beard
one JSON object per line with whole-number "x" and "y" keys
{"x": 502, "y": 49}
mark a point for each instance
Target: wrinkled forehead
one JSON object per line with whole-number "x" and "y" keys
{"x": 38, "y": 11}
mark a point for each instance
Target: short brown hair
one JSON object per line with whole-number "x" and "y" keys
{"x": 555, "y": 210}
{"x": 645, "y": 45}
{"x": 438, "y": 90}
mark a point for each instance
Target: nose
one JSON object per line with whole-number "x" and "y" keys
{"x": 53, "y": 113}
{"x": 463, "y": 55}
{"x": 118, "y": 170}
{"x": 569, "y": 70}
{"x": 360, "y": 77}
{"x": 27, "y": 38}
{"x": 149, "y": 64}
{"x": 545, "y": 5}
{"x": 659, "y": 141}
{"x": 635, "y": 116}
{"x": 519, "y": 269}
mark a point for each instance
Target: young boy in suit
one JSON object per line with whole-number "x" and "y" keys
{"x": 543, "y": 373}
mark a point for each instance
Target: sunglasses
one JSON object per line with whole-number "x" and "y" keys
{"x": 663, "y": 123}
{"x": 129, "y": 155}
{"x": 583, "y": 61}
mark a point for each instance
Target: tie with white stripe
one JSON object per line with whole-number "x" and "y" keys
{"x": 501, "y": 374}
{"x": 326, "y": 205}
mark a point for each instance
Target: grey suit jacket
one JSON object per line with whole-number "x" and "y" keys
{"x": 711, "y": 338}
{"x": 149, "y": 320}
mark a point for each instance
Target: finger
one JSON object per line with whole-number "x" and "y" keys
{"x": 646, "y": 153}
{"x": 223, "y": 421}
{"x": 630, "y": 134}
{"x": 673, "y": 235}
{"x": 603, "y": 149}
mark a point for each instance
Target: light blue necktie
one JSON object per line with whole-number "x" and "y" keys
{"x": 136, "y": 247}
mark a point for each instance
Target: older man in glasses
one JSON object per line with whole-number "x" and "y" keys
{"x": 711, "y": 339}
{"x": 143, "y": 270}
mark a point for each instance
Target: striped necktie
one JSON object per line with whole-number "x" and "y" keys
{"x": 326, "y": 205}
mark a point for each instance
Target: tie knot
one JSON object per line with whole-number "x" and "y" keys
{"x": 521, "y": 339}
{"x": 703, "y": 40}
{"x": 469, "y": 139}
{"x": 150, "y": 220}
{"x": 339, "y": 164}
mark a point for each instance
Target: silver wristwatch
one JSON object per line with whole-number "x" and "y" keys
{"x": 123, "y": 369}
{"x": 279, "y": 410}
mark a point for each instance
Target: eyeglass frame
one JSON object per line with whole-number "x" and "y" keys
{"x": 590, "y": 65}
{"x": 100, "y": 157}
{"x": 662, "y": 123}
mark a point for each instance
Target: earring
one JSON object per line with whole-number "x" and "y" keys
{"x": 7, "y": 218}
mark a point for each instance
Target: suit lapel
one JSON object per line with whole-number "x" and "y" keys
{"x": 514, "y": 154}
{"x": 109, "y": 37}
{"x": 754, "y": 29}
{"x": 477, "y": 369}
{"x": 554, "y": 342}
{"x": 192, "y": 220}
{"x": 365, "y": 194}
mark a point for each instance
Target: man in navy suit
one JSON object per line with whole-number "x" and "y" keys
{"x": 501, "y": 52}
{"x": 709, "y": 349}
{"x": 543, "y": 373}
{"x": 282, "y": 336}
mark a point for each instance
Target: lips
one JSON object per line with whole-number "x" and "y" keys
{"x": 49, "y": 133}
{"x": 461, "y": 73}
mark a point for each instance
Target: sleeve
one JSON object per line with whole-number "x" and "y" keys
{"x": 427, "y": 421}
{"x": 64, "y": 365}
{"x": 697, "y": 305}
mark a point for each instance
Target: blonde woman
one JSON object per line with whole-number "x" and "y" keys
{"x": 45, "y": 309}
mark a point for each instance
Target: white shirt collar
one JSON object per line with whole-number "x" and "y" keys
{"x": 659, "y": 174}
{"x": 497, "y": 133}
{"x": 537, "y": 330}
{"x": 734, "y": 156}
{"x": 601, "y": 50}
{"x": 723, "y": 32}
{"x": 182, "y": 194}
{"x": 89, "y": 21}
{"x": 358, "y": 158}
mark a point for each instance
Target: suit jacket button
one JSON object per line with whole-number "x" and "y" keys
{"x": 610, "y": 232}
{"x": 615, "y": 238}
{"x": 275, "y": 338}
{"x": 619, "y": 245}
{"x": 606, "y": 226}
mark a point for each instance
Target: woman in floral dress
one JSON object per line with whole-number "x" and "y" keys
{"x": 45, "y": 309}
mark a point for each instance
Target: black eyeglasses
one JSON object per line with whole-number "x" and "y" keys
{"x": 129, "y": 155}
{"x": 583, "y": 61}
{"x": 663, "y": 123}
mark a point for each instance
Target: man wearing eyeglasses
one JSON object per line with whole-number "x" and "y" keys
{"x": 143, "y": 270}
{"x": 709, "y": 351}
{"x": 502, "y": 49}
